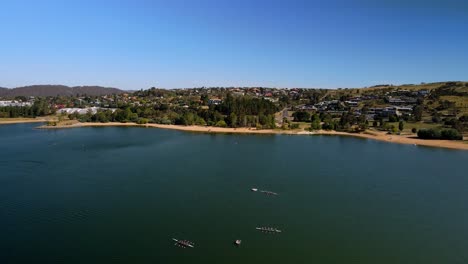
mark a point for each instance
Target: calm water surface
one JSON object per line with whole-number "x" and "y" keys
{"x": 118, "y": 195}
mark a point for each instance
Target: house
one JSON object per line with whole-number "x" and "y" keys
{"x": 423, "y": 92}
{"x": 351, "y": 103}
{"x": 394, "y": 100}
{"x": 404, "y": 110}
{"x": 59, "y": 106}
{"x": 401, "y": 100}
{"x": 14, "y": 103}
{"x": 214, "y": 101}
{"x": 307, "y": 108}
{"x": 273, "y": 100}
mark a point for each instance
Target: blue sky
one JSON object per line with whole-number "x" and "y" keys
{"x": 141, "y": 43}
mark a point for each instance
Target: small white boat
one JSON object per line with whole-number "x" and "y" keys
{"x": 254, "y": 189}
{"x": 238, "y": 242}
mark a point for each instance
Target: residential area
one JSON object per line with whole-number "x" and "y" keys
{"x": 396, "y": 109}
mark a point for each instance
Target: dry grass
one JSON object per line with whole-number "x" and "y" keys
{"x": 17, "y": 119}
{"x": 24, "y": 120}
{"x": 460, "y": 101}
{"x": 67, "y": 122}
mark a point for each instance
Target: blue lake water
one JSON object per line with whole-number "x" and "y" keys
{"x": 119, "y": 195}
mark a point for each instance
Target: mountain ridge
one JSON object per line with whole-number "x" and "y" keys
{"x": 57, "y": 90}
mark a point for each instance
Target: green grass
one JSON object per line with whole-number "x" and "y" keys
{"x": 302, "y": 125}
{"x": 418, "y": 125}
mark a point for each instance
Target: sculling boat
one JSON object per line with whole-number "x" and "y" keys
{"x": 268, "y": 229}
{"x": 263, "y": 191}
{"x": 183, "y": 243}
{"x": 269, "y": 193}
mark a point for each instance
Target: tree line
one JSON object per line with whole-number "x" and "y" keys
{"x": 347, "y": 121}
{"x": 232, "y": 112}
{"x": 449, "y": 134}
{"x": 40, "y": 107}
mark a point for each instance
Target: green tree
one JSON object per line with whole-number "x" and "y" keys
{"x": 142, "y": 121}
{"x": 417, "y": 112}
{"x": 401, "y": 126}
{"x": 449, "y": 134}
{"x": 204, "y": 99}
{"x": 221, "y": 123}
{"x": 393, "y": 118}
{"x": 315, "y": 125}
{"x": 200, "y": 121}
{"x": 315, "y": 117}
{"x": 301, "y": 116}
{"x": 329, "y": 125}
{"x": 232, "y": 120}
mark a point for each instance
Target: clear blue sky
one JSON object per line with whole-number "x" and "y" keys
{"x": 137, "y": 44}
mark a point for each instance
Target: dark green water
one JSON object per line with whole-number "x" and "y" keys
{"x": 118, "y": 195}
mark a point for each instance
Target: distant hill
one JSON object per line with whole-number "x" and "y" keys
{"x": 56, "y": 90}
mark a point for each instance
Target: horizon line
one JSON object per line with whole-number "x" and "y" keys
{"x": 232, "y": 86}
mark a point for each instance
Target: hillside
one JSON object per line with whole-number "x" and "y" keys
{"x": 56, "y": 90}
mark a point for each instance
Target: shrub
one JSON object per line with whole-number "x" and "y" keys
{"x": 142, "y": 121}
{"x": 414, "y": 130}
{"x": 429, "y": 134}
{"x": 449, "y": 134}
{"x": 221, "y": 123}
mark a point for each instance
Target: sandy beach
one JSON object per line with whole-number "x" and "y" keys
{"x": 6, "y": 121}
{"x": 374, "y": 135}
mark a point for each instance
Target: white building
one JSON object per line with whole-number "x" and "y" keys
{"x": 83, "y": 111}
{"x": 14, "y": 103}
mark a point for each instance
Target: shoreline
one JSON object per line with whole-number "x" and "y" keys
{"x": 374, "y": 135}
{"x": 6, "y": 121}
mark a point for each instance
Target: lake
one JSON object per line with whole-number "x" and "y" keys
{"x": 119, "y": 195}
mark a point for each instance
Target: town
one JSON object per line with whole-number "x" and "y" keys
{"x": 440, "y": 108}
